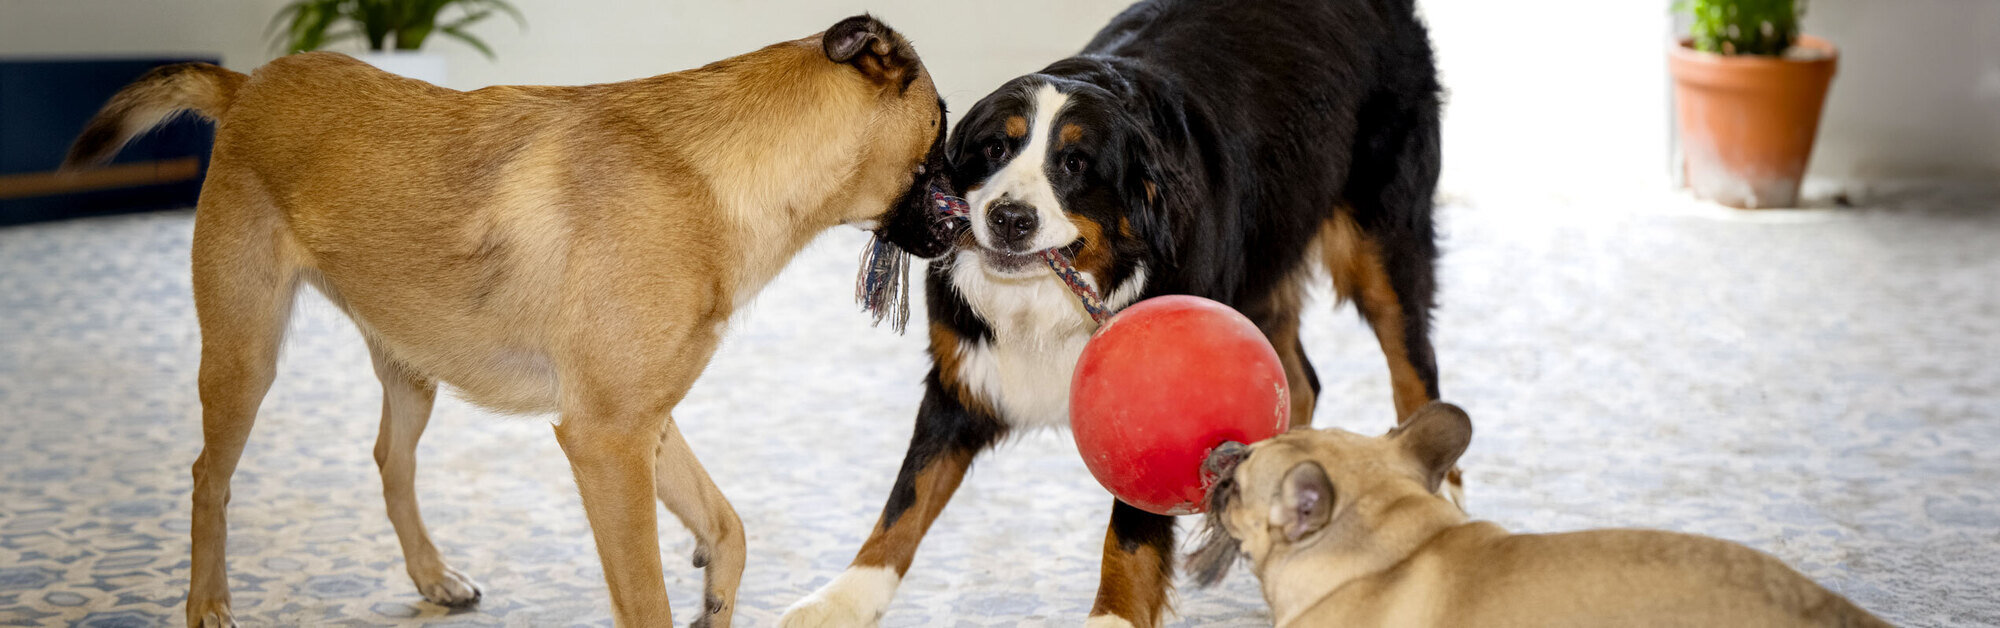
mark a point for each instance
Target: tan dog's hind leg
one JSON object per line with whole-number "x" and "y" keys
{"x": 685, "y": 488}
{"x": 243, "y": 290}
{"x": 406, "y": 408}
{"x": 614, "y": 474}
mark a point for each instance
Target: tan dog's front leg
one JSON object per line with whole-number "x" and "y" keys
{"x": 614, "y": 474}
{"x": 683, "y": 485}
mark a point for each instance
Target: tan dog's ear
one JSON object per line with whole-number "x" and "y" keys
{"x": 873, "y": 48}
{"x": 1436, "y": 435}
{"x": 1307, "y": 500}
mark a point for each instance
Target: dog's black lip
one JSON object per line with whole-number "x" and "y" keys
{"x": 1069, "y": 252}
{"x": 1005, "y": 260}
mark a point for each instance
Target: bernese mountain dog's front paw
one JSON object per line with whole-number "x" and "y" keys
{"x": 857, "y": 598}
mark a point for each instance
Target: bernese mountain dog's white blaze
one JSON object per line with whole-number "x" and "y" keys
{"x": 1228, "y": 150}
{"x": 1015, "y": 212}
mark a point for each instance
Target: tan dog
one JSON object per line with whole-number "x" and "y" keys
{"x": 1347, "y": 530}
{"x": 576, "y": 250}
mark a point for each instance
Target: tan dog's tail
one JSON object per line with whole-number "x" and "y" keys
{"x": 156, "y": 97}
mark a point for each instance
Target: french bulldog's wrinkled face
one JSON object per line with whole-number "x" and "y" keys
{"x": 1321, "y": 488}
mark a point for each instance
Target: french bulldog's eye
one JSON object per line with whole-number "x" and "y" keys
{"x": 995, "y": 151}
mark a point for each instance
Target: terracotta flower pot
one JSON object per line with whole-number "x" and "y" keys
{"x": 1747, "y": 122}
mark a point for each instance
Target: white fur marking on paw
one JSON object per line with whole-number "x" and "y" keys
{"x": 1107, "y": 621}
{"x": 857, "y": 598}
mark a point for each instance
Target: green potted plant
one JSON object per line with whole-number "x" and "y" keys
{"x": 1748, "y": 91}
{"x": 395, "y": 30}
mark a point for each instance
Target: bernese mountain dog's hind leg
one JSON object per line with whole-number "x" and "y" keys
{"x": 1381, "y": 248}
{"x": 1399, "y": 318}
{"x": 1137, "y": 570}
{"x": 1397, "y": 311}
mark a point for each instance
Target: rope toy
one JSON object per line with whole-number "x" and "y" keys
{"x": 882, "y": 287}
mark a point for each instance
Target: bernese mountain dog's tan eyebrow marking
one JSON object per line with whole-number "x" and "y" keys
{"x": 1017, "y": 127}
{"x": 1069, "y": 135}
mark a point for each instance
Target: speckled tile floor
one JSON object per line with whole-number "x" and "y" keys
{"x": 1822, "y": 385}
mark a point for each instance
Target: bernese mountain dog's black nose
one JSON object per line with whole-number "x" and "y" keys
{"x": 1013, "y": 223}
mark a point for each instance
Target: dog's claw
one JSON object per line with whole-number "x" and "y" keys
{"x": 210, "y": 613}
{"x": 700, "y": 558}
{"x": 711, "y": 607}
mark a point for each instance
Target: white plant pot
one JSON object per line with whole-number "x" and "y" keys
{"x": 423, "y": 66}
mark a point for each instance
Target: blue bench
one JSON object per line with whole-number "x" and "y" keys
{"x": 44, "y": 103}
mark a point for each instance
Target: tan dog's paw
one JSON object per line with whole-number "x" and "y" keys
{"x": 857, "y": 598}
{"x": 448, "y": 587}
{"x": 209, "y": 613}
{"x": 1107, "y": 621}
{"x": 712, "y": 615}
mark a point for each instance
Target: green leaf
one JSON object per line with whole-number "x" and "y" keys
{"x": 1760, "y": 27}
{"x": 303, "y": 25}
{"x": 461, "y": 35}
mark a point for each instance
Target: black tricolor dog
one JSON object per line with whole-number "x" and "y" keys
{"x": 1222, "y": 149}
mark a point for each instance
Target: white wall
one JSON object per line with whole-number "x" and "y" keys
{"x": 1564, "y": 97}
{"x": 1526, "y": 114}
{"x": 969, "y": 47}
{"x": 101, "y": 28}
{"x": 1918, "y": 90}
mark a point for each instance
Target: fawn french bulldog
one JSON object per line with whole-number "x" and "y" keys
{"x": 1348, "y": 530}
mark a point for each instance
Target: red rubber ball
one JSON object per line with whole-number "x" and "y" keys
{"x": 1160, "y": 385}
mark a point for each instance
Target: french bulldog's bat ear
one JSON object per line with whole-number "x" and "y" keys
{"x": 873, "y": 48}
{"x": 1436, "y": 435}
{"x": 1307, "y": 497}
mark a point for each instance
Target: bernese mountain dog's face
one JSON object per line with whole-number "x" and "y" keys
{"x": 1051, "y": 163}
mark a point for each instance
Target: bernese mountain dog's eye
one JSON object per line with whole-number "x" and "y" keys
{"x": 1075, "y": 163}
{"x": 995, "y": 150}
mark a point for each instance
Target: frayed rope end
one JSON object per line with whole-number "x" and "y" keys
{"x": 882, "y": 287}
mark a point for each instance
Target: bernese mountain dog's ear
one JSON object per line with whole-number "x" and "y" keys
{"x": 872, "y": 47}
{"x": 1159, "y": 183}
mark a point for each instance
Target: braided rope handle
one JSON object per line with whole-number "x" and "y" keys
{"x": 955, "y": 208}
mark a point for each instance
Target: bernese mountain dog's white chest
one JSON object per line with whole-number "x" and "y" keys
{"x": 1039, "y": 328}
